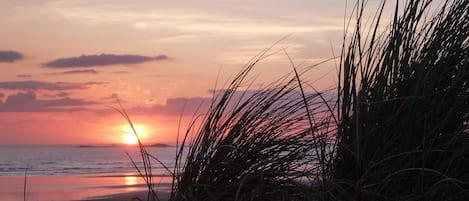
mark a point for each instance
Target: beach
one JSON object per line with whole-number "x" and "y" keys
{"x": 66, "y": 173}
{"x": 128, "y": 196}
{"x": 79, "y": 187}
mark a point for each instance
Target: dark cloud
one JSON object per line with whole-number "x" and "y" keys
{"x": 10, "y": 56}
{"x": 27, "y": 102}
{"x": 35, "y": 85}
{"x": 49, "y": 95}
{"x": 60, "y": 94}
{"x": 101, "y": 60}
{"x": 23, "y": 76}
{"x": 2, "y": 95}
{"x": 162, "y": 57}
{"x": 96, "y": 83}
{"x": 88, "y": 71}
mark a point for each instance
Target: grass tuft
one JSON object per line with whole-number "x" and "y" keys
{"x": 253, "y": 145}
{"x": 397, "y": 129}
{"x": 404, "y": 107}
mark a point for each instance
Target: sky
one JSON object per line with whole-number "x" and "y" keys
{"x": 65, "y": 63}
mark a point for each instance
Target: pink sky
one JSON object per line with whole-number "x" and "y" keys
{"x": 64, "y": 63}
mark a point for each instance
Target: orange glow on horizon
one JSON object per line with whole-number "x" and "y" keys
{"x": 63, "y": 97}
{"x": 129, "y": 135}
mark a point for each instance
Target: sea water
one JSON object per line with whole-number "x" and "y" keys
{"x": 57, "y": 173}
{"x": 76, "y": 160}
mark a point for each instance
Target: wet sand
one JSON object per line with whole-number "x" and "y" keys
{"x": 103, "y": 187}
{"x": 130, "y": 196}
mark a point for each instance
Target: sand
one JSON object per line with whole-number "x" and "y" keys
{"x": 101, "y": 187}
{"x": 130, "y": 196}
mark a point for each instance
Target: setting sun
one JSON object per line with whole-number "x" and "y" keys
{"x": 128, "y": 135}
{"x": 130, "y": 139}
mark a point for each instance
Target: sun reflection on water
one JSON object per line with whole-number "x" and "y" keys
{"x": 130, "y": 180}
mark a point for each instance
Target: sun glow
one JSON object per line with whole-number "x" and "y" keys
{"x": 129, "y": 136}
{"x": 130, "y": 139}
{"x": 130, "y": 180}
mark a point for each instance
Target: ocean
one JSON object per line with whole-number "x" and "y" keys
{"x": 76, "y": 160}
{"x": 59, "y": 173}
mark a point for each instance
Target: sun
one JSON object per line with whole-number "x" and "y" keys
{"x": 128, "y": 135}
{"x": 130, "y": 139}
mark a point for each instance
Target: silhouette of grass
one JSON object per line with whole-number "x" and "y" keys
{"x": 397, "y": 129}
{"x": 252, "y": 145}
{"x": 403, "y": 131}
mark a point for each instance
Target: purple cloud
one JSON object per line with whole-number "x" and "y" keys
{"x": 101, "y": 60}
{"x": 62, "y": 94}
{"x": 27, "y": 102}
{"x": 88, "y": 71}
{"x": 174, "y": 107}
{"x": 96, "y": 83}
{"x": 35, "y": 85}
{"x": 10, "y": 56}
{"x": 200, "y": 105}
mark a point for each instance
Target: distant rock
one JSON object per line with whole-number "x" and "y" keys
{"x": 123, "y": 145}
{"x": 159, "y": 145}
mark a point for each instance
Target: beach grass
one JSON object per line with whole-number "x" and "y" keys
{"x": 253, "y": 144}
{"x": 395, "y": 128}
{"x": 403, "y": 106}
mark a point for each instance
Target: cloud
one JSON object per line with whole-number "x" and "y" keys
{"x": 96, "y": 83}
{"x": 35, "y": 85}
{"x": 23, "y": 76}
{"x": 88, "y": 71}
{"x": 113, "y": 96}
{"x": 2, "y": 95}
{"x": 174, "y": 107}
{"x": 10, "y": 56}
{"x": 60, "y": 94}
{"x": 200, "y": 105}
{"x": 28, "y": 102}
{"x": 121, "y": 72}
{"x": 101, "y": 60}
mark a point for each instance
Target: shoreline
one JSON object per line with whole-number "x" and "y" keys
{"x": 163, "y": 195}
{"x": 83, "y": 187}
